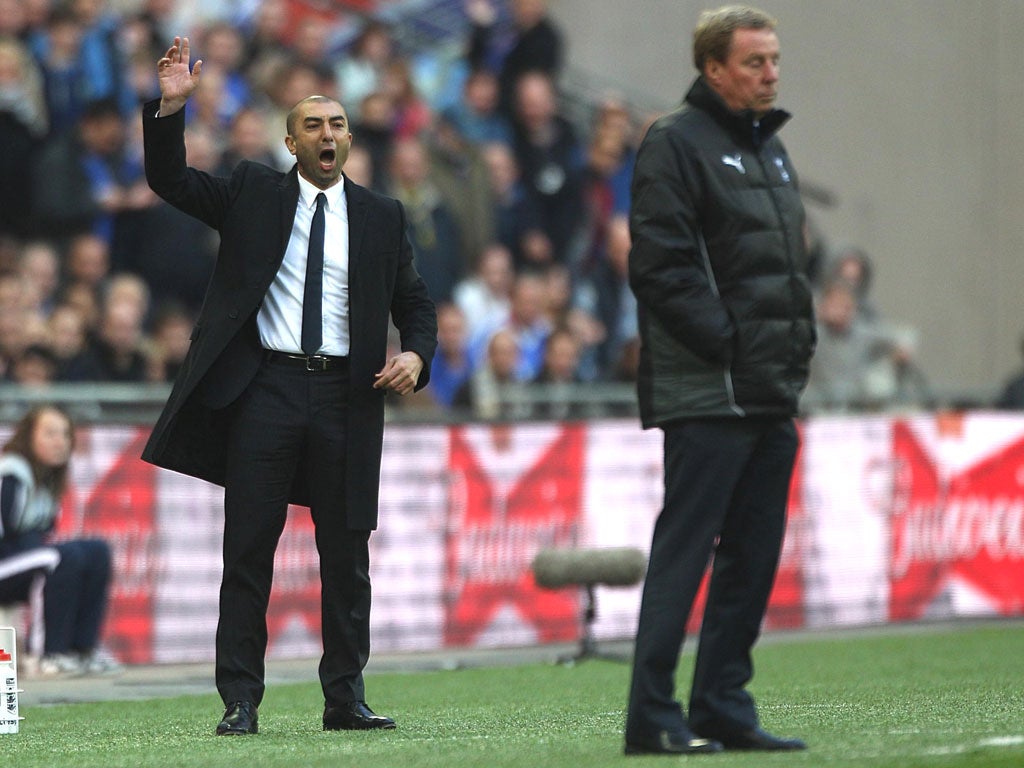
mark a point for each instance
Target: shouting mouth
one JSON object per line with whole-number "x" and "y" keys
{"x": 328, "y": 157}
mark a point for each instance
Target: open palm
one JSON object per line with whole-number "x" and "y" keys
{"x": 177, "y": 80}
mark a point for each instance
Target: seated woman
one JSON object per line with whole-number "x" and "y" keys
{"x": 33, "y": 477}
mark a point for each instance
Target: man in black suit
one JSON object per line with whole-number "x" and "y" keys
{"x": 281, "y": 397}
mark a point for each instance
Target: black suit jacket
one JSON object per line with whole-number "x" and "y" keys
{"x": 254, "y": 211}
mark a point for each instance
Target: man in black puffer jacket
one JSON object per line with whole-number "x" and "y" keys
{"x": 718, "y": 266}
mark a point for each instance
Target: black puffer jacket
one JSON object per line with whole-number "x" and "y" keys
{"x": 719, "y": 266}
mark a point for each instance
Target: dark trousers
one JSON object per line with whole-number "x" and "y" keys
{"x": 74, "y": 596}
{"x": 725, "y": 479}
{"x": 286, "y": 419}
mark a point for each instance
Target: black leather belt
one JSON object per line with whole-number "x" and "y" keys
{"x": 311, "y": 363}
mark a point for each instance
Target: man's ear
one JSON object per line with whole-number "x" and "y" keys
{"x": 290, "y": 143}
{"x": 713, "y": 71}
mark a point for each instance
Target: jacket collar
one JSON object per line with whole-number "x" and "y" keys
{"x": 743, "y": 124}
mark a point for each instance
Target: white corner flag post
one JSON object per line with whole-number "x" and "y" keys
{"x": 9, "y": 690}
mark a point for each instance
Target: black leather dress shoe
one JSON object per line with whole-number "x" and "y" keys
{"x": 674, "y": 744}
{"x": 354, "y": 716}
{"x": 757, "y": 739}
{"x": 240, "y": 719}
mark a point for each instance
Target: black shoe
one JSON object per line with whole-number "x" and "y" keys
{"x": 354, "y": 716}
{"x": 674, "y": 744}
{"x": 756, "y": 739}
{"x": 240, "y": 718}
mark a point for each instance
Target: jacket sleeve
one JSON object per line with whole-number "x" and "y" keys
{"x": 194, "y": 192}
{"x": 669, "y": 270}
{"x": 412, "y": 310}
{"x": 13, "y": 537}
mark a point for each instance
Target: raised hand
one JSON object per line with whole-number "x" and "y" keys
{"x": 177, "y": 81}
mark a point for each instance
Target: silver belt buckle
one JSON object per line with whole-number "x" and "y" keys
{"x": 316, "y": 364}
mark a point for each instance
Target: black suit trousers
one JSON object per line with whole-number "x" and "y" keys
{"x": 725, "y": 480}
{"x": 289, "y": 420}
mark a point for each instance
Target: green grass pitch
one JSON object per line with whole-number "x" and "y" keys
{"x": 909, "y": 698}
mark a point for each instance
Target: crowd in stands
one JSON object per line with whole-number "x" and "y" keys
{"x": 518, "y": 216}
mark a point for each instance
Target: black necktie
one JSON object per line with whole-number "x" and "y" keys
{"x": 312, "y": 297}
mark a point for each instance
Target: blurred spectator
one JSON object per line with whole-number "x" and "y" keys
{"x": 460, "y": 173}
{"x": 476, "y": 115}
{"x": 558, "y": 294}
{"x": 412, "y": 115}
{"x": 206, "y": 113}
{"x": 359, "y": 166}
{"x": 68, "y": 339}
{"x": 140, "y": 39}
{"x": 221, "y": 47}
{"x": 613, "y": 125}
{"x": 101, "y": 53}
{"x": 86, "y": 178}
{"x": 130, "y": 290}
{"x": 603, "y": 283}
{"x": 115, "y": 355}
{"x": 556, "y": 397}
{"x": 265, "y": 41}
{"x": 374, "y": 131}
{"x": 431, "y": 225}
{"x": 858, "y": 364}
{"x": 85, "y": 300}
{"x": 628, "y": 362}
{"x": 87, "y": 262}
{"x": 36, "y": 13}
{"x": 12, "y": 289}
{"x": 527, "y": 320}
{"x": 247, "y": 140}
{"x": 57, "y": 49}
{"x": 361, "y": 72}
{"x": 21, "y": 323}
{"x": 531, "y": 42}
{"x": 39, "y": 266}
{"x": 159, "y": 15}
{"x": 517, "y": 220}
{"x": 616, "y": 308}
{"x": 482, "y": 394}
{"x": 550, "y": 161}
{"x": 171, "y": 336}
{"x": 13, "y": 19}
{"x": 852, "y": 266}
{"x": 561, "y": 358}
{"x": 450, "y": 369}
{"x": 23, "y": 124}
{"x": 35, "y": 367}
{"x": 485, "y": 297}
{"x": 1012, "y": 396}
{"x": 564, "y": 312}
{"x": 311, "y": 46}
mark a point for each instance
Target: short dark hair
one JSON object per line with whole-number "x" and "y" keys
{"x": 712, "y": 37}
{"x": 294, "y": 114}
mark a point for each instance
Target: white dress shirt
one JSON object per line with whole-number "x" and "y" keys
{"x": 280, "y": 316}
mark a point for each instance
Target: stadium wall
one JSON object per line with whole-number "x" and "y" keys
{"x": 891, "y": 519}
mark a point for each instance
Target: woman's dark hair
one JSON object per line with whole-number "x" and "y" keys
{"x": 54, "y": 479}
